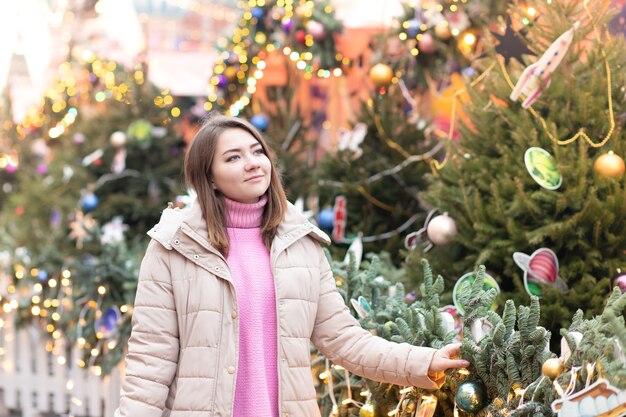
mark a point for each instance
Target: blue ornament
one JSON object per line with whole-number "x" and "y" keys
{"x": 469, "y": 72}
{"x": 414, "y": 28}
{"x": 326, "y": 218}
{"x": 42, "y": 275}
{"x": 260, "y": 121}
{"x": 257, "y": 12}
{"x": 55, "y": 218}
{"x": 89, "y": 202}
{"x": 108, "y": 322}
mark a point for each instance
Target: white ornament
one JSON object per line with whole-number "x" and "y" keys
{"x": 118, "y": 139}
{"x": 536, "y": 77}
{"x": 480, "y": 328}
{"x": 441, "y": 229}
{"x": 113, "y": 232}
{"x": 119, "y": 161}
{"x": 566, "y": 352}
{"x": 351, "y": 139}
{"x": 447, "y": 321}
{"x": 315, "y": 29}
{"x": 356, "y": 247}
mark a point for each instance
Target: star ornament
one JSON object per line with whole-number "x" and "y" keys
{"x": 511, "y": 45}
{"x": 81, "y": 227}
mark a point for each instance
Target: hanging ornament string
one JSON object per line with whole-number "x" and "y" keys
{"x": 387, "y": 235}
{"x": 391, "y": 143}
{"x": 348, "y": 399}
{"x": 390, "y": 171}
{"x": 331, "y": 387}
{"x": 436, "y": 165}
{"x": 373, "y": 199}
{"x": 581, "y": 132}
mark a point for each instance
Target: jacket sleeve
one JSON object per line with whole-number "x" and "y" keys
{"x": 153, "y": 346}
{"x": 340, "y": 337}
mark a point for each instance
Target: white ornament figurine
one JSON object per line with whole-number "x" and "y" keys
{"x": 536, "y": 77}
{"x": 441, "y": 229}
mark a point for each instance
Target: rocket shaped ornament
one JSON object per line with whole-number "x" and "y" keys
{"x": 536, "y": 77}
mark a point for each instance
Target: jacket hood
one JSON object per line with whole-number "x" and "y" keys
{"x": 172, "y": 218}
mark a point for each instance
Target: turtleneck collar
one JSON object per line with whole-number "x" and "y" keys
{"x": 245, "y": 216}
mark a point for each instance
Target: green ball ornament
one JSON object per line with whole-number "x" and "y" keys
{"x": 140, "y": 130}
{"x": 471, "y": 397}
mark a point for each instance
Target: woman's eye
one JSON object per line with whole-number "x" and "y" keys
{"x": 259, "y": 151}
{"x": 232, "y": 158}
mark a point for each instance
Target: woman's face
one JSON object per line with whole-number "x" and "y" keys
{"x": 241, "y": 170}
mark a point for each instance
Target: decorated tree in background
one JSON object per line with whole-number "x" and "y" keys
{"x": 536, "y": 187}
{"x": 441, "y": 37}
{"x": 98, "y": 162}
{"x": 379, "y": 168}
{"x": 302, "y": 30}
{"x": 8, "y": 158}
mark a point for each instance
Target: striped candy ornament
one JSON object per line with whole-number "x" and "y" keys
{"x": 543, "y": 267}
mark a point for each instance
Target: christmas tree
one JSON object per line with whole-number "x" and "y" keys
{"x": 98, "y": 162}
{"x": 512, "y": 371}
{"x": 379, "y": 169}
{"x": 535, "y": 185}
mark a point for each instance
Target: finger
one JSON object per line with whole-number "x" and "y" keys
{"x": 456, "y": 363}
{"x": 453, "y": 350}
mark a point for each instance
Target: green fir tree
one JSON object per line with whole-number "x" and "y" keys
{"x": 98, "y": 163}
{"x": 499, "y": 209}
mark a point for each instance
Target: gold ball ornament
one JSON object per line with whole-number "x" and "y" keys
{"x": 442, "y": 31}
{"x": 552, "y": 368}
{"x": 230, "y": 73}
{"x": 367, "y": 410}
{"x": 381, "y": 75}
{"x": 609, "y": 165}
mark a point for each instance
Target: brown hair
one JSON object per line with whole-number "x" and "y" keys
{"x": 198, "y": 162}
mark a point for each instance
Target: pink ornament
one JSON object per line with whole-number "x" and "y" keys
{"x": 42, "y": 169}
{"x": 621, "y": 282}
{"x": 11, "y": 168}
{"x": 426, "y": 44}
{"x": 544, "y": 266}
{"x": 315, "y": 29}
{"x": 540, "y": 268}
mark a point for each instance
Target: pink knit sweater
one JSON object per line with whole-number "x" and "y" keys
{"x": 256, "y": 392}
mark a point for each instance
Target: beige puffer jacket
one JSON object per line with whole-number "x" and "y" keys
{"x": 183, "y": 350}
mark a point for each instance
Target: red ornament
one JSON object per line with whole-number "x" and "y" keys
{"x": 339, "y": 223}
{"x": 300, "y": 36}
{"x": 544, "y": 266}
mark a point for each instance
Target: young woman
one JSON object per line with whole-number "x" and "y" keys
{"x": 233, "y": 290}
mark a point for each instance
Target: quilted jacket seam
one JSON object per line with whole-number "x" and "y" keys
{"x": 150, "y": 333}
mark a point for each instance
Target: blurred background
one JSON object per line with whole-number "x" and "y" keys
{"x": 398, "y": 130}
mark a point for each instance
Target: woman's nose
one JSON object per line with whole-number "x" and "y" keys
{"x": 252, "y": 163}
